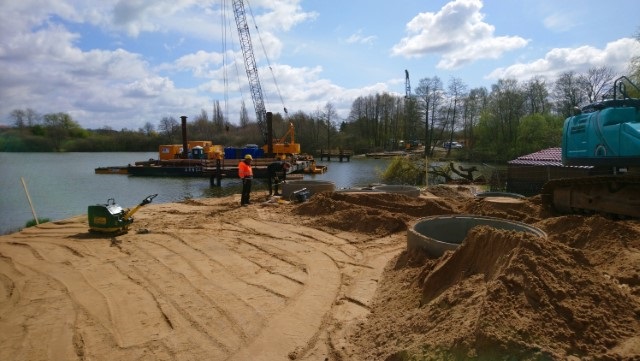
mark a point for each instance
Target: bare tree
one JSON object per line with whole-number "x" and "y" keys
{"x": 536, "y": 96}
{"x": 148, "y": 128}
{"x": 201, "y": 127}
{"x": 456, "y": 91}
{"x": 430, "y": 93}
{"x": 24, "y": 118}
{"x": 568, "y": 93}
{"x": 169, "y": 127}
{"x": 597, "y": 82}
{"x": 330, "y": 115}
{"x": 33, "y": 117}
{"x": 19, "y": 117}
{"x": 634, "y": 65}
{"x": 244, "y": 115}
{"x": 217, "y": 117}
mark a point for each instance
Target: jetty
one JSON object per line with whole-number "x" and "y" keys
{"x": 341, "y": 154}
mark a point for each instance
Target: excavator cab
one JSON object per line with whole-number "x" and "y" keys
{"x": 606, "y": 133}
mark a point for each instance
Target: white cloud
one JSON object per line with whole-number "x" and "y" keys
{"x": 458, "y": 33}
{"x": 149, "y": 87}
{"x": 358, "y": 38}
{"x": 200, "y": 63}
{"x": 279, "y": 15}
{"x": 559, "y": 22}
{"x": 137, "y": 16}
{"x": 615, "y": 55}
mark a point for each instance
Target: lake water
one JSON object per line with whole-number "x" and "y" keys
{"x": 62, "y": 185}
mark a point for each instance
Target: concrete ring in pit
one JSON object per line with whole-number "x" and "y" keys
{"x": 410, "y": 191}
{"x": 500, "y": 194}
{"x": 439, "y": 234}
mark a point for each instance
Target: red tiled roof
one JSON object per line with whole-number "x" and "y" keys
{"x": 551, "y": 157}
{"x": 546, "y": 157}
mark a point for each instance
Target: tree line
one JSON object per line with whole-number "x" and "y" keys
{"x": 497, "y": 124}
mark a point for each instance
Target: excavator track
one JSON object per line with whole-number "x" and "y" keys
{"x": 614, "y": 195}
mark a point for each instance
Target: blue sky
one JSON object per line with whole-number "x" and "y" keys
{"x": 122, "y": 63}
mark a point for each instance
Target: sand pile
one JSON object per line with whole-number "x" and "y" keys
{"x": 509, "y": 295}
{"x": 371, "y": 213}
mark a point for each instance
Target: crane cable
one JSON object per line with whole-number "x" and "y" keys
{"x": 255, "y": 24}
{"x": 224, "y": 62}
{"x": 225, "y": 24}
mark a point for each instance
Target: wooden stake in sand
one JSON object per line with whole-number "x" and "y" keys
{"x": 29, "y": 199}
{"x": 426, "y": 170}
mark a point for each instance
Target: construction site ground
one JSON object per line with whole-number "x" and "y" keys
{"x": 327, "y": 279}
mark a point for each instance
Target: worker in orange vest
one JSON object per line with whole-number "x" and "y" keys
{"x": 245, "y": 172}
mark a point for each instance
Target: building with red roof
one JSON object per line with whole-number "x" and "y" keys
{"x": 528, "y": 173}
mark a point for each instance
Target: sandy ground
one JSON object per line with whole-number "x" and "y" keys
{"x": 329, "y": 279}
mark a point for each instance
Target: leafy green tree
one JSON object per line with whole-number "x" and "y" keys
{"x": 402, "y": 170}
{"x": 538, "y": 131}
{"x": 59, "y": 127}
{"x": 498, "y": 126}
{"x": 474, "y": 104}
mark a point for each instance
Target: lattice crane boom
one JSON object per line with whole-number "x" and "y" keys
{"x": 250, "y": 66}
{"x": 407, "y": 84}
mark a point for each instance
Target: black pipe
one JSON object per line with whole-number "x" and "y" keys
{"x": 185, "y": 145}
{"x": 269, "y": 134}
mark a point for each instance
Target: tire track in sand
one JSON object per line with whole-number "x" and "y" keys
{"x": 295, "y": 326}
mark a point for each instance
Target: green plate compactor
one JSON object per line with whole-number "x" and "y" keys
{"x": 111, "y": 218}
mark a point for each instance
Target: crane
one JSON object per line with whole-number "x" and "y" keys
{"x": 251, "y": 67}
{"x": 410, "y": 108}
{"x": 278, "y": 146}
{"x": 407, "y": 84}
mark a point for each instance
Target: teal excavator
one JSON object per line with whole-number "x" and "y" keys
{"x": 605, "y": 135}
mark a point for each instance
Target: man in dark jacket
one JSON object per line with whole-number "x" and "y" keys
{"x": 276, "y": 174}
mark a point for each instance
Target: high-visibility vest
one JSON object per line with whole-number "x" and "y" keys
{"x": 244, "y": 170}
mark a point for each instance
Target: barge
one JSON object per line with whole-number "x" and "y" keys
{"x": 217, "y": 168}
{"x": 207, "y": 160}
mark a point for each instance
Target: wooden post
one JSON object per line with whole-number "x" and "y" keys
{"x": 218, "y": 173}
{"x": 426, "y": 171}
{"x": 29, "y": 199}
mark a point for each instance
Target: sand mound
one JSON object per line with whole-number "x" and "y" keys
{"x": 501, "y": 294}
{"x": 370, "y": 213}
